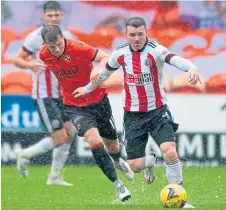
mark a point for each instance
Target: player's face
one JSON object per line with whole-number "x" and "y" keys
{"x": 136, "y": 37}
{"x": 57, "y": 49}
{"x": 52, "y": 17}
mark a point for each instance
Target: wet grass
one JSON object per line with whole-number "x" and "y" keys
{"x": 206, "y": 188}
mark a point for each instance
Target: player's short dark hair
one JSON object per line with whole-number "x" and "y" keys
{"x": 136, "y": 22}
{"x": 50, "y": 33}
{"x": 52, "y": 5}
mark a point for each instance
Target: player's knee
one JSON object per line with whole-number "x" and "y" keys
{"x": 70, "y": 135}
{"x": 60, "y": 137}
{"x": 171, "y": 154}
{"x": 135, "y": 166}
{"x": 113, "y": 146}
{"x": 69, "y": 131}
{"x": 93, "y": 137}
{"x": 168, "y": 150}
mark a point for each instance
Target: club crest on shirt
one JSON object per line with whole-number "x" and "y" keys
{"x": 67, "y": 58}
{"x": 147, "y": 62}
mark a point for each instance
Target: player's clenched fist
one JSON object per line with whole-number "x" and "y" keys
{"x": 194, "y": 76}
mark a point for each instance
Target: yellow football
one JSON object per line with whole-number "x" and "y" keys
{"x": 173, "y": 196}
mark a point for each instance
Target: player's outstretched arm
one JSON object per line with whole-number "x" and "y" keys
{"x": 102, "y": 76}
{"x": 111, "y": 66}
{"x": 102, "y": 59}
{"x": 21, "y": 61}
{"x": 187, "y": 66}
{"x": 180, "y": 63}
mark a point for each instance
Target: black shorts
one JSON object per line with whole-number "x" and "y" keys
{"x": 51, "y": 113}
{"x": 97, "y": 115}
{"x": 158, "y": 123}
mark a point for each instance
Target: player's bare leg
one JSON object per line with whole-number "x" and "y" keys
{"x": 105, "y": 162}
{"x": 113, "y": 148}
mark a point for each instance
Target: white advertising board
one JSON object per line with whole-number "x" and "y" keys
{"x": 194, "y": 113}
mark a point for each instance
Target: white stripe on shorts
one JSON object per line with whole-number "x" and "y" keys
{"x": 112, "y": 122}
{"x": 44, "y": 114}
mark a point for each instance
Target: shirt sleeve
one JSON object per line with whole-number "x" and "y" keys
{"x": 174, "y": 60}
{"x": 104, "y": 75}
{"x": 113, "y": 63}
{"x": 164, "y": 54}
{"x": 30, "y": 43}
{"x": 87, "y": 51}
{"x": 111, "y": 66}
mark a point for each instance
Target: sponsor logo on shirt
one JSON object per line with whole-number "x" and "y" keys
{"x": 67, "y": 72}
{"x": 139, "y": 79}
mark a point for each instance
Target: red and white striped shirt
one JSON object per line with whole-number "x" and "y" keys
{"x": 45, "y": 84}
{"x": 143, "y": 78}
{"x": 143, "y": 74}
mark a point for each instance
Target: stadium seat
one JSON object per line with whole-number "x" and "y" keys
{"x": 173, "y": 34}
{"x": 16, "y": 82}
{"x": 216, "y": 84}
{"x": 180, "y": 84}
{"x": 27, "y": 31}
{"x": 102, "y": 37}
{"x": 8, "y": 35}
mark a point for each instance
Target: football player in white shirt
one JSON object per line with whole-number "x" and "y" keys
{"x": 47, "y": 98}
{"x": 145, "y": 103}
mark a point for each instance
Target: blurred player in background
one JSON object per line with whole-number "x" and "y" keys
{"x": 47, "y": 98}
{"x": 145, "y": 105}
{"x": 71, "y": 62}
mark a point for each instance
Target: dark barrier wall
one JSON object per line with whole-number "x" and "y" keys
{"x": 193, "y": 148}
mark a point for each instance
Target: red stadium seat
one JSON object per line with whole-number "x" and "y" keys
{"x": 216, "y": 84}
{"x": 8, "y": 35}
{"x": 180, "y": 84}
{"x": 99, "y": 37}
{"x": 16, "y": 82}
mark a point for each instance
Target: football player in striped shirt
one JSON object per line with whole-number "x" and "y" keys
{"x": 145, "y": 103}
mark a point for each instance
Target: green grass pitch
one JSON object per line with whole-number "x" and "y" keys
{"x": 206, "y": 188}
